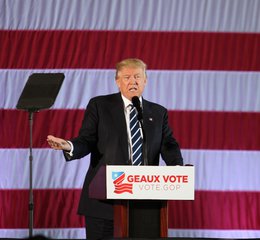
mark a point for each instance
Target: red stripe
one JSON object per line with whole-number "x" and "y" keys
{"x": 117, "y": 191}
{"x": 217, "y": 210}
{"x": 52, "y": 208}
{"x": 119, "y": 179}
{"x": 15, "y": 126}
{"x": 102, "y": 49}
{"x": 216, "y": 130}
{"x": 209, "y": 210}
{"x": 128, "y": 186}
{"x": 192, "y": 129}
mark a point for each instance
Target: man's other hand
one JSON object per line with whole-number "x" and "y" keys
{"x": 58, "y": 143}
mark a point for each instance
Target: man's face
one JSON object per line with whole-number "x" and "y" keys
{"x": 131, "y": 82}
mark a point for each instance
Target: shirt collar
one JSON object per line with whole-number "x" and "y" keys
{"x": 127, "y": 102}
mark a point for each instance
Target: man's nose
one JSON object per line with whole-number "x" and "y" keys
{"x": 132, "y": 80}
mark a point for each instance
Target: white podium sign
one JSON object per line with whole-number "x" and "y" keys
{"x": 150, "y": 182}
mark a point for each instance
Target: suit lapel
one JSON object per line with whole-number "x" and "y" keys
{"x": 147, "y": 116}
{"x": 148, "y": 123}
{"x": 120, "y": 124}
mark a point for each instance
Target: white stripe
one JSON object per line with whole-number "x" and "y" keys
{"x": 138, "y": 163}
{"x": 181, "y": 90}
{"x": 135, "y": 134}
{"x": 135, "y": 143}
{"x": 146, "y": 15}
{"x": 50, "y": 170}
{"x": 133, "y": 109}
{"x": 81, "y": 83}
{"x": 225, "y": 170}
{"x": 53, "y": 233}
{"x": 214, "y": 170}
{"x": 79, "y": 233}
{"x": 134, "y": 126}
{"x": 131, "y": 121}
{"x": 137, "y": 159}
{"x": 137, "y": 150}
{"x": 215, "y": 233}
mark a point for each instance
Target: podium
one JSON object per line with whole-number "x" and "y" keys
{"x": 122, "y": 222}
{"x": 135, "y": 187}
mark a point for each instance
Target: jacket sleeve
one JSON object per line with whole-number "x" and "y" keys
{"x": 170, "y": 150}
{"x": 87, "y": 137}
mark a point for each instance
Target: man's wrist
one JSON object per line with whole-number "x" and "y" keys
{"x": 70, "y": 152}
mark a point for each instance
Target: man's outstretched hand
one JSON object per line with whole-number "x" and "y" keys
{"x": 58, "y": 143}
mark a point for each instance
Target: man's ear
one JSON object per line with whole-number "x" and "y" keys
{"x": 145, "y": 81}
{"x": 118, "y": 83}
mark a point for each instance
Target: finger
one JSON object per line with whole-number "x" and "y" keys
{"x": 54, "y": 144}
{"x": 51, "y": 138}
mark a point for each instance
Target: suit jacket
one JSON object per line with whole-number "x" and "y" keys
{"x": 104, "y": 135}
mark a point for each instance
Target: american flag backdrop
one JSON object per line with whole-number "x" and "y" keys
{"x": 204, "y": 67}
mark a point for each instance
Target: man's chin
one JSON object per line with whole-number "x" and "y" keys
{"x": 134, "y": 93}
{"x": 130, "y": 95}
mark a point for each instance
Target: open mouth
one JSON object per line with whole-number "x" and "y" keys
{"x": 133, "y": 89}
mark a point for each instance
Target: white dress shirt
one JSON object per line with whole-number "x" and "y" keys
{"x": 127, "y": 109}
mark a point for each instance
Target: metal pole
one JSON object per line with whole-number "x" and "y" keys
{"x": 31, "y": 204}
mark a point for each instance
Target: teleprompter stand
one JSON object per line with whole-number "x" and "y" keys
{"x": 39, "y": 93}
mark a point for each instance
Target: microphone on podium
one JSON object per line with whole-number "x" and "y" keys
{"x": 137, "y": 105}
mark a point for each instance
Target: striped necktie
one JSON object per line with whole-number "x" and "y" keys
{"x": 136, "y": 138}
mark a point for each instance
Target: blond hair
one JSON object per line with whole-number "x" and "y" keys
{"x": 130, "y": 62}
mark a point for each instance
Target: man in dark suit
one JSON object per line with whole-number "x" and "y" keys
{"x": 105, "y": 134}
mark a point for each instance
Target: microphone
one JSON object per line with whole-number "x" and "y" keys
{"x": 137, "y": 105}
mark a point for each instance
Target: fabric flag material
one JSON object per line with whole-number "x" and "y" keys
{"x": 203, "y": 66}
